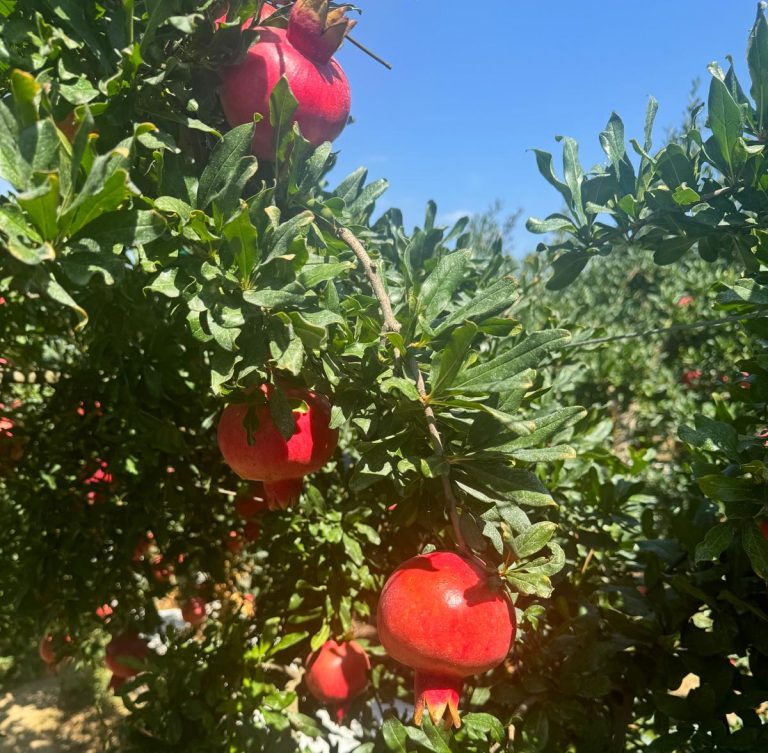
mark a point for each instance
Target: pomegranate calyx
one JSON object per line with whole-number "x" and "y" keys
{"x": 438, "y": 694}
{"x": 280, "y": 495}
{"x": 317, "y": 32}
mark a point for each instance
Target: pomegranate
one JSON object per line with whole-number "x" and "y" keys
{"x": 126, "y": 646}
{"x": 764, "y": 528}
{"x": 303, "y": 54}
{"x": 193, "y": 611}
{"x": 269, "y": 457}
{"x": 441, "y": 614}
{"x": 51, "y": 647}
{"x": 248, "y": 507}
{"x": 337, "y": 673}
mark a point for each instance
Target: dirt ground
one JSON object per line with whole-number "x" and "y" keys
{"x": 32, "y": 722}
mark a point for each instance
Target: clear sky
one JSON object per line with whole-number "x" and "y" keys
{"x": 476, "y": 85}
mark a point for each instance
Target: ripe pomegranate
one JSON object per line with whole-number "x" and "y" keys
{"x": 337, "y": 673}
{"x": 122, "y": 647}
{"x": 193, "y": 611}
{"x": 51, "y": 647}
{"x": 303, "y": 54}
{"x": 441, "y": 614}
{"x": 269, "y": 457}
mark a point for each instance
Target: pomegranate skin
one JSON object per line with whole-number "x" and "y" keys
{"x": 319, "y": 85}
{"x": 50, "y": 647}
{"x": 439, "y": 615}
{"x": 270, "y": 457}
{"x": 125, "y": 646}
{"x": 337, "y": 673}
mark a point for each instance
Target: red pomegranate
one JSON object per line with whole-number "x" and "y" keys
{"x": 126, "y": 646}
{"x": 337, "y": 673}
{"x": 250, "y": 505}
{"x": 764, "y": 528}
{"x": 51, "y": 647}
{"x": 269, "y": 457}
{"x": 440, "y": 614}
{"x": 303, "y": 54}
{"x": 193, "y": 611}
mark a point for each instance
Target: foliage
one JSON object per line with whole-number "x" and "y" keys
{"x": 151, "y": 269}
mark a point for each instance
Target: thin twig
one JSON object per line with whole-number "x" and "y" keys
{"x": 370, "y": 53}
{"x": 663, "y": 330}
{"x": 392, "y": 325}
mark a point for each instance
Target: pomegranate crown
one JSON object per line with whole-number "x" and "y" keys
{"x": 317, "y": 31}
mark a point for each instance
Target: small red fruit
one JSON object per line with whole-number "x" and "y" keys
{"x": 234, "y": 542}
{"x": 270, "y": 457}
{"x": 303, "y": 54}
{"x": 104, "y": 612}
{"x": 193, "y": 611}
{"x": 690, "y": 377}
{"x": 337, "y": 673}
{"x": 440, "y": 614}
{"x": 126, "y": 646}
{"x": 685, "y": 300}
{"x": 161, "y": 570}
{"x": 50, "y": 648}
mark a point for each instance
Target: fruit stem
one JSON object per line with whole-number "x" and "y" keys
{"x": 392, "y": 325}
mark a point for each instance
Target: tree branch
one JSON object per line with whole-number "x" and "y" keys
{"x": 392, "y": 325}
{"x": 663, "y": 330}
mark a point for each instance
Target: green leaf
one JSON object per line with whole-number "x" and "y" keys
{"x": 41, "y": 205}
{"x": 717, "y": 540}
{"x": 287, "y": 233}
{"x": 487, "y": 724}
{"x": 756, "y": 548}
{"x": 131, "y": 228}
{"x": 53, "y": 289}
{"x": 553, "y": 224}
{"x": 439, "y": 287}
{"x": 273, "y": 299}
{"x": 165, "y": 283}
{"x": 451, "y": 359}
{"x": 727, "y": 489}
{"x": 282, "y": 108}
{"x": 612, "y": 142}
{"x": 490, "y": 376}
{"x": 488, "y": 302}
{"x": 394, "y": 733}
{"x": 547, "y": 170}
{"x": 534, "y": 539}
{"x": 725, "y": 120}
{"x": 320, "y": 637}
{"x": 757, "y": 60}
{"x": 282, "y": 414}
{"x": 228, "y": 170}
{"x": 566, "y": 268}
{"x": 11, "y": 164}
{"x": 313, "y": 274}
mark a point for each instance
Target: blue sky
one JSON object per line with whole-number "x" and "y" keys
{"x": 476, "y": 85}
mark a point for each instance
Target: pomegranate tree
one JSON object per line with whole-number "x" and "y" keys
{"x": 303, "y": 54}
{"x": 443, "y": 616}
{"x": 337, "y": 673}
{"x": 266, "y": 455}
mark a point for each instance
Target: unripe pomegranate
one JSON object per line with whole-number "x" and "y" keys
{"x": 441, "y": 614}
{"x": 303, "y": 54}
{"x": 270, "y": 457}
{"x": 193, "y": 611}
{"x": 122, "y": 647}
{"x": 50, "y": 648}
{"x": 337, "y": 673}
